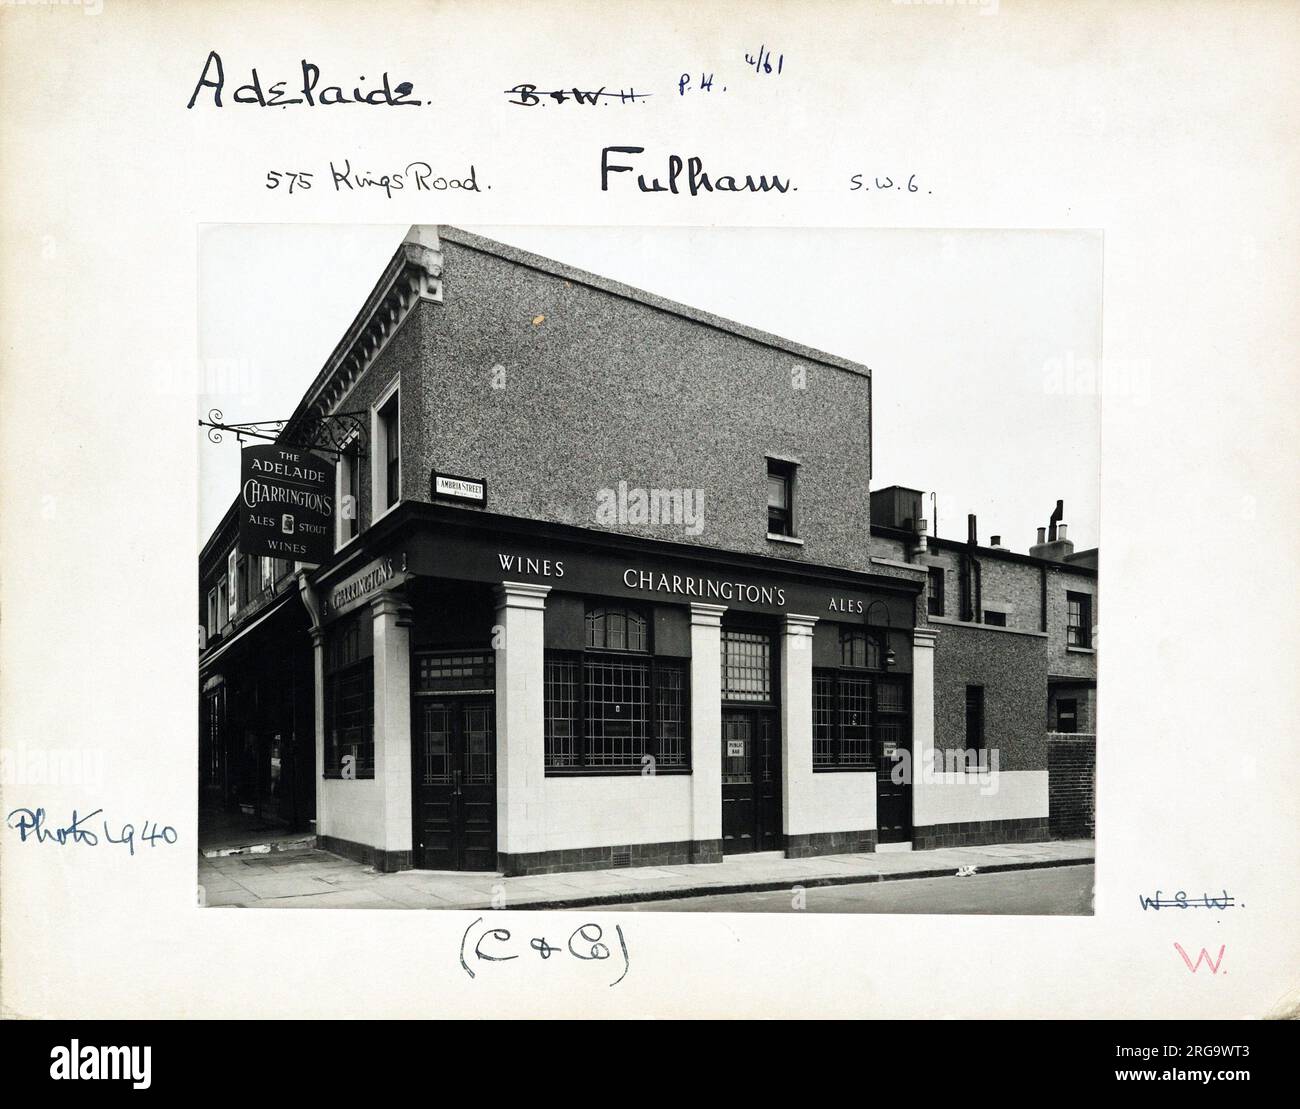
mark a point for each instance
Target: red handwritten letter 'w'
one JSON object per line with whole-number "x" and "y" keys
{"x": 1213, "y": 964}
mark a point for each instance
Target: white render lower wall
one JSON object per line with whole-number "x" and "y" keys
{"x": 840, "y": 802}
{"x": 972, "y": 798}
{"x": 355, "y": 810}
{"x": 613, "y": 811}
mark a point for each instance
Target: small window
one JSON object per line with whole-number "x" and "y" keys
{"x": 389, "y": 455}
{"x": 1067, "y": 715}
{"x": 1078, "y": 626}
{"x": 349, "y": 493}
{"x": 994, "y": 618}
{"x": 975, "y": 718}
{"x": 616, "y": 629}
{"x": 223, "y": 603}
{"x": 934, "y": 600}
{"x": 746, "y": 666}
{"x": 780, "y": 497}
{"x": 241, "y": 576}
{"x": 268, "y": 572}
{"x": 212, "y": 612}
{"x": 859, "y": 649}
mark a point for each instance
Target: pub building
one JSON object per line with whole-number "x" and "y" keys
{"x": 603, "y": 590}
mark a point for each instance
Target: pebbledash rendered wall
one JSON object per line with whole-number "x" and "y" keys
{"x": 554, "y": 390}
{"x": 1011, "y": 804}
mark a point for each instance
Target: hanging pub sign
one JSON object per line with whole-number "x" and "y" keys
{"x": 450, "y": 487}
{"x": 286, "y": 504}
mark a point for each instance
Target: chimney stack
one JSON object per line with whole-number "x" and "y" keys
{"x": 1057, "y": 547}
{"x": 972, "y": 532}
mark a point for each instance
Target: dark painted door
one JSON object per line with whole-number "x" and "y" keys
{"x": 893, "y": 782}
{"x": 454, "y": 784}
{"x": 751, "y": 781}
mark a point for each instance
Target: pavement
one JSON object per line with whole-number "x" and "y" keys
{"x": 305, "y": 877}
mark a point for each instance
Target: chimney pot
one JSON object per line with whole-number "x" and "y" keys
{"x": 1060, "y": 532}
{"x": 972, "y": 532}
{"x": 1042, "y": 535}
{"x": 995, "y": 541}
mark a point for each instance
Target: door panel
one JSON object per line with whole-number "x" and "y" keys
{"x": 751, "y": 781}
{"x": 893, "y": 799}
{"x": 767, "y": 783}
{"x": 435, "y": 787}
{"x": 478, "y": 789}
{"x": 454, "y": 784}
{"x": 738, "y": 808}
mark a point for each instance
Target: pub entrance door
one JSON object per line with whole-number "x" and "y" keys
{"x": 891, "y": 737}
{"x": 751, "y": 780}
{"x": 454, "y": 783}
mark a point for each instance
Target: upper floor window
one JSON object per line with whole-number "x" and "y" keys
{"x": 212, "y": 624}
{"x": 349, "y": 493}
{"x": 241, "y": 575}
{"x": 388, "y": 456}
{"x": 223, "y": 603}
{"x": 616, "y": 629}
{"x": 934, "y": 599}
{"x": 780, "y": 497}
{"x": 1078, "y": 620}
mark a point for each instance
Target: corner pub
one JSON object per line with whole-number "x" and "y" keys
{"x": 490, "y": 674}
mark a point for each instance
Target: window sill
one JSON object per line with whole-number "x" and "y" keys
{"x": 793, "y": 540}
{"x": 396, "y": 504}
{"x": 616, "y": 772}
{"x": 1081, "y": 650}
{"x": 349, "y": 541}
{"x": 844, "y": 769}
{"x": 337, "y": 776}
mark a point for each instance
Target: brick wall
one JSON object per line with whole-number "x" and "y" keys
{"x": 1071, "y": 783}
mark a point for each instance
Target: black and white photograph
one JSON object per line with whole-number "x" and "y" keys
{"x": 566, "y": 510}
{"x": 541, "y": 587}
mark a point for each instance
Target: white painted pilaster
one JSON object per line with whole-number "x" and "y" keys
{"x": 392, "y": 629}
{"x": 706, "y": 722}
{"x": 798, "y": 801}
{"x": 520, "y": 685}
{"x": 318, "y": 713}
{"x": 923, "y": 641}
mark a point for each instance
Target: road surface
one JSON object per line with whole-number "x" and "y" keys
{"x": 1050, "y": 891}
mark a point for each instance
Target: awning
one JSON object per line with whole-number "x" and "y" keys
{"x": 275, "y": 606}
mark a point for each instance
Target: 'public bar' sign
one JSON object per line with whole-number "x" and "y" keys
{"x": 286, "y": 504}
